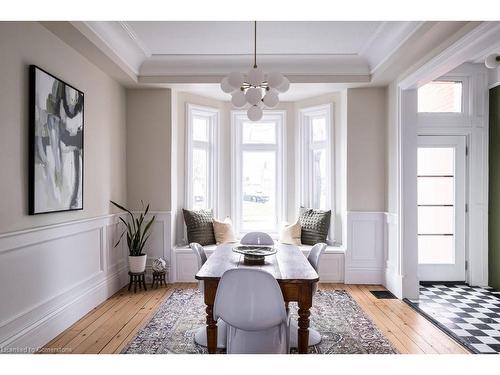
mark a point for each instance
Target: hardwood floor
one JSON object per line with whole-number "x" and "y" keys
{"x": 111, "y": 325}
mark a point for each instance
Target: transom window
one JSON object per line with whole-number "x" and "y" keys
{"x": 201, "y": 176}
{"x": 440, "y": 97}
{"x": 258, "y": 190}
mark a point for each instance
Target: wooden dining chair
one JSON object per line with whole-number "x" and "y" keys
{"x": 314, "y": 336}
{"x": 251, "y": 303}
{"x": 200, "y": 336}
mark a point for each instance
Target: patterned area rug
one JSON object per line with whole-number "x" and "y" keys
{"x": 343, "y": 325}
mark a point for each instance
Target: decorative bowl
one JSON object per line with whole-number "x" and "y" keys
{"x": 254, "y": 255}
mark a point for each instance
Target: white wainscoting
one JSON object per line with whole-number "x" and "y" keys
{"x": 331, "y": 268}
{"x": 52, "y": 276}
{"x": 365, "y": 250}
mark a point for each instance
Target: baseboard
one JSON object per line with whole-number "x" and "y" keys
{"x": 393, "y": 282}
{"x": 39, "y": 333}
{"x": 364, "y": 276}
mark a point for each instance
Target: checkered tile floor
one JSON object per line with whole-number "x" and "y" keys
{"x": 470, "y": 314}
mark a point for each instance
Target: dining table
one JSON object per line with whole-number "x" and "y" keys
{"x": 289, "y": 266}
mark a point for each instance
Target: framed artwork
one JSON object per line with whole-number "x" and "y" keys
{"x": 56, "y": 122}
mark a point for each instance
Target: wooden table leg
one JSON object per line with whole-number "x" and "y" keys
{"x": 210, "y": 289}
{"x": 305, "y": 303}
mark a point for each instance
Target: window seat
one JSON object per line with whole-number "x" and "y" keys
{"x": 331, "y": 267}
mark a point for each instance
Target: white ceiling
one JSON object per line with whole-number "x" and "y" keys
{"x": 177, "y": 51}
{"x": 318, "y": 57}
{"x": 226, "y": 37}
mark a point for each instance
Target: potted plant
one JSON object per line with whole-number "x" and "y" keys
{"x": 138, "y": 232}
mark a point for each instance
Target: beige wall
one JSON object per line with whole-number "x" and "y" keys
{"x": 392, "y": 162}
{"x": 366, "y": 143}
{"x": 25, "y": 43}
{"x": 149, "y": 148}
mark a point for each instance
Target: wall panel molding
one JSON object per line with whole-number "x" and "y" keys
{"x": 365, "y": 250}
{"x": 58, "y": 273}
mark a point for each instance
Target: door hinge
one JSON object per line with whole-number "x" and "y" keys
{"x": 466, "y": 207}
{"x": 466, "y": 265}
{"x": 466, "y": 150}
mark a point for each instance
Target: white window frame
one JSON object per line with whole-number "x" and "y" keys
{"x": 452, "y": 119}
{"x": 213, "y": 116}
{"x": 307, "y": 148}
{"x": 237, "y": 148}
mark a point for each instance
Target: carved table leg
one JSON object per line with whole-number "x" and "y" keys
{"x": 305, "y": 303}
{"x": 210, "y": 290}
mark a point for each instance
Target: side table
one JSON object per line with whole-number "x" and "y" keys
{"x": 137, "y": 278}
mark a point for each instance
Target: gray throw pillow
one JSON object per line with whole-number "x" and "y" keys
{"x": 199, "y": 226}
{"x": 315, "y": 225}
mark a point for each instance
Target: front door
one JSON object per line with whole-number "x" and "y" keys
{"x": 441, "y": 191}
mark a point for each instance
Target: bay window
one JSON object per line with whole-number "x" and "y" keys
{"x": 316, "y": 139}
{"x": 257, "y": 169}
{"x": 201, "y": 171}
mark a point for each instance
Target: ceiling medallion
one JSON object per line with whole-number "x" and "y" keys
{"x": 255, "y": 88}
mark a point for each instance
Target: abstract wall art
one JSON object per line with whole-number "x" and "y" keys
{"x": 55, "y": 144}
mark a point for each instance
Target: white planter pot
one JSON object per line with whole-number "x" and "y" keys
{"x": 137, "y": 264}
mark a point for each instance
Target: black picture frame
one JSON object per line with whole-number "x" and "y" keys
{"x": 33, "y": 138}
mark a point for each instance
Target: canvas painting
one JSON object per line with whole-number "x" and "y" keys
{"x": 56, "y": 144}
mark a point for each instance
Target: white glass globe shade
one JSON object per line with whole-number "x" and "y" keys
{"x": 271, "y": 99}
{"x": 285, "y": 85}
{"x": 275, "y": 79}
{"x": 255, "y": 76}
{"x": 226, "y": 87}
{"x": 254, "y": 113}
{"x": 253, "y": 95}
{"x": 235, "y": 79}
{"x": 491, "y": 61}
{"x": 238, "y": 99}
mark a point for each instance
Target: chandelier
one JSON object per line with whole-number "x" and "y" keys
{"x": 255, "y": 88}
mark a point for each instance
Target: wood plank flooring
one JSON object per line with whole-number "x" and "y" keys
{"x": 111, "y": 325}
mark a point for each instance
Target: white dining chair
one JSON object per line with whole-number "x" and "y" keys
{"x": 200, "y": 336}
{"x": 251, "y": 303}
{"x": 257, "y": 238}
{"x": 314, "y": 336}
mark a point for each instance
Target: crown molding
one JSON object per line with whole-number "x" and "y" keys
{"x": 388, "y": 39}
{"x": 84, "y": 40}
{"x": 133, "y": 36}
{"x": 297, "y": 78}
{"x": 200, "y": 65}
{"x": 474, "y": 40}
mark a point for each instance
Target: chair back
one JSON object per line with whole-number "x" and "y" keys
{"x": 315, "y": 255}
{"x": 249, "y": 299}
{"x": 257, "y": 238}
{"x": 199, "y": 251}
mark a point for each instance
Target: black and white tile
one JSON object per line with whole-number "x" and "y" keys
{"x": 469, "y": 314}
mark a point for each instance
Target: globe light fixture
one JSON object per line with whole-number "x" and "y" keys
{"x": 255, "y": 88}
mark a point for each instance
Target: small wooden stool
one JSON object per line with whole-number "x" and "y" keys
{"x": 158, "y": 278}
{"x": 137, "y": 278}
